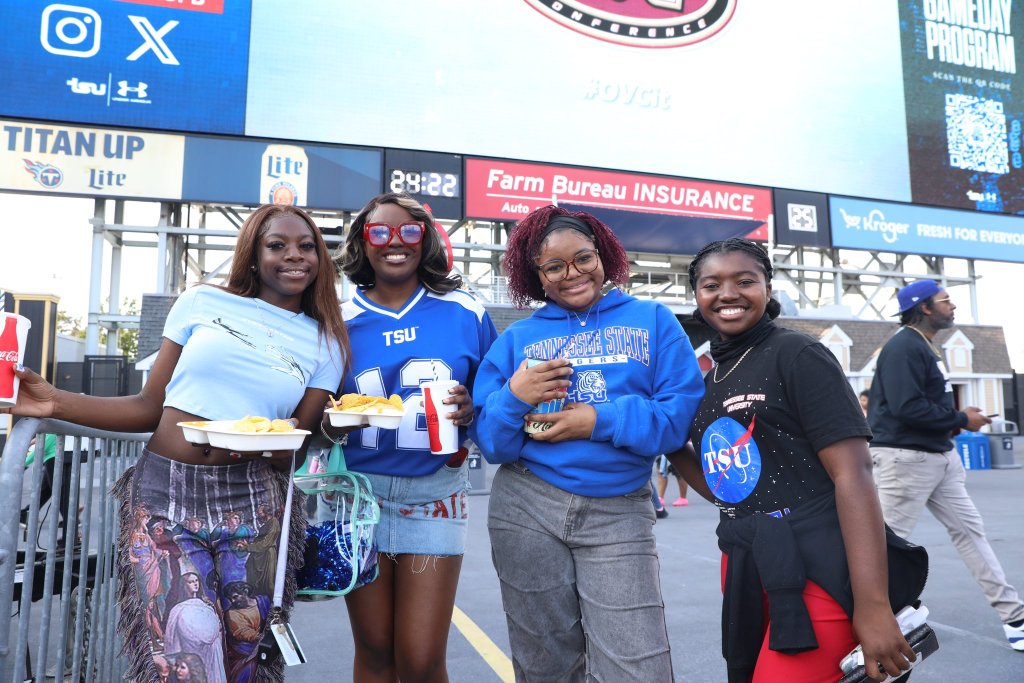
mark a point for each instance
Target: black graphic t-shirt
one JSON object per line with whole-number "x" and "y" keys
{"x": 759, "y": 429}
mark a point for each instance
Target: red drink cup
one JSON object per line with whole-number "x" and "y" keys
{"x": 13, "y": 335}
{"x": 443, "y": 434}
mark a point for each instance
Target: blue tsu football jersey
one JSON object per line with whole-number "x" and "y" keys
{"x": 433, "y": 336}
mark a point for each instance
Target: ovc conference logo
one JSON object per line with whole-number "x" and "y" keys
{"x": 641, "y": 23}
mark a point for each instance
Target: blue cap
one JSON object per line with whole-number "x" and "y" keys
{"x": 915, "y": 293}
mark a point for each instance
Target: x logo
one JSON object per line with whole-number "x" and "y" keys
{"x": 153, "y": 39}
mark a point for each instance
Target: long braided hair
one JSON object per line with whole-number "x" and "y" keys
{"x": 751, "y": 249}
{"x": 527, "y": 240}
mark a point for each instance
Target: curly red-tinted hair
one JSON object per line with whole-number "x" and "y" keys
{"x": 526, "y": 241}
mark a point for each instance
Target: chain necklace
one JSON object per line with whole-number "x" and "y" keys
{"x": 583, "y": 322}
{"x": 930, "y": 344}
{"x": 714, "y": 375}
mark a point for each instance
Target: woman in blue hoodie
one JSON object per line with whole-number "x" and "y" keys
{"x": 570, "y": 518}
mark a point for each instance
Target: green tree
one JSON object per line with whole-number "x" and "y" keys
{"x": 127, "y": 340}
{"x": 70, "y": 326}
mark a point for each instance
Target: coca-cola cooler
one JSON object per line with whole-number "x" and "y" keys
{"x": 40, "y": 348}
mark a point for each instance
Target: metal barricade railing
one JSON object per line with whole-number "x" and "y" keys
{"x": 76, "y": 636}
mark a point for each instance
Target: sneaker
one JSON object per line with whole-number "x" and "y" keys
{"x": 1015, "y": 634}
{"x": 680, "y": 503}
{"x": 662, "y": 513}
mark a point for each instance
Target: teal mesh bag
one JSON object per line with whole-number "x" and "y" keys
{"x": 340, "y": 553}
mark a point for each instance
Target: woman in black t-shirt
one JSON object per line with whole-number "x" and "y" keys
{"x": 780, "y": 446}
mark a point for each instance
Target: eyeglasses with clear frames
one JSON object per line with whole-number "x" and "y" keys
{"x": 557, "y": 270}
{"x": 941, "y": 301}
{"x": 380, "y": 235}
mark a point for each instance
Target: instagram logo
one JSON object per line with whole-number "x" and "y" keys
{"x": 70, "y": 30}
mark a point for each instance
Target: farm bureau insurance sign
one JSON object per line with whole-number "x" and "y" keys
{"x": 508, "y": 190}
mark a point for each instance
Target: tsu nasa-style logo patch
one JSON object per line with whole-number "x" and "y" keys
{"x": 730, "y": 459}
{"x": 641, "y": 23}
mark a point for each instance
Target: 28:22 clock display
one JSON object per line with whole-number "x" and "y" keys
{"x": 426, "y": 183}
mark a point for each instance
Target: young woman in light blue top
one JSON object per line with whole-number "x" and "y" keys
{"x": 270, "y": 342}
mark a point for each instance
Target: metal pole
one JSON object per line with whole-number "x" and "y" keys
{"x": 92, "y": 330}
{"x": 114, "y": 301}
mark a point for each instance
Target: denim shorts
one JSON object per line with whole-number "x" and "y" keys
{"x": 422, "y": 515}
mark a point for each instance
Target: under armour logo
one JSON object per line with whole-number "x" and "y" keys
{"x": 153, "y": 39}
{"x": 140, "y": 90}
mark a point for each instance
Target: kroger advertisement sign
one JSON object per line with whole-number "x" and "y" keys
{"x": 907, "y": 229}
{"x": 178, "y": 65}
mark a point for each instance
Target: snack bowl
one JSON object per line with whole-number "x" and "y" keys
{"x": 385, "y": 420}
{"x": 223, "y": 436}
{"x": 346, "y": 418}
{"x": 194, "y": 431}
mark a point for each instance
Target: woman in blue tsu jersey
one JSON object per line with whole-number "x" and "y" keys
{"x": 409, "y": 322}
{"x": 571, "y": 520}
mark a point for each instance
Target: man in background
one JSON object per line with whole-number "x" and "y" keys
{"x": 912, "y": 416}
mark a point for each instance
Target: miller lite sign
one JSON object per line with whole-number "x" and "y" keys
{"x": 283, "y": 176}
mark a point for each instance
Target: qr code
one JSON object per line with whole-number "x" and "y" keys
{"x": 976, "y": 131}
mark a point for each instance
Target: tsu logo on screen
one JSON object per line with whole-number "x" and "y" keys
{"x": 73, "y": 31}
{"x": 641, "y": 23}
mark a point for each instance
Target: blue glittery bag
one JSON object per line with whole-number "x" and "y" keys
{"x": 340, "y": 553}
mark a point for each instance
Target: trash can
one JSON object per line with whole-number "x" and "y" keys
{"x": 1004, "y": 440}
{"x": 974, "y": 451}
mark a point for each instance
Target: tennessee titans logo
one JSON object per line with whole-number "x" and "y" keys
{"x": 47, "y": 175}
{"x": 591, "y": 387}
{"x": 730, "y": 459}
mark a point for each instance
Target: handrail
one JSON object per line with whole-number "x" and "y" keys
{"x": 75, "y": 564}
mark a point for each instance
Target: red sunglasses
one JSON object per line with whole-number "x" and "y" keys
{"x": 380, "y": 235}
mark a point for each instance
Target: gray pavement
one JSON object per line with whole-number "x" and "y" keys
{"x": 971, "y": 643}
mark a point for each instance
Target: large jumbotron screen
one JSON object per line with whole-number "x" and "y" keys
{"x": 918, "y": 100}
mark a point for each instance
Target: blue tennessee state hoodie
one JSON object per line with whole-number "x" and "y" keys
{"x": 632, "y": 362}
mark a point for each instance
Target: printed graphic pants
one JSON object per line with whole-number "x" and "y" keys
{"x": 579, "y": 582}
{"x": 197, "y": 558}
{"x": 908, "y": 481}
